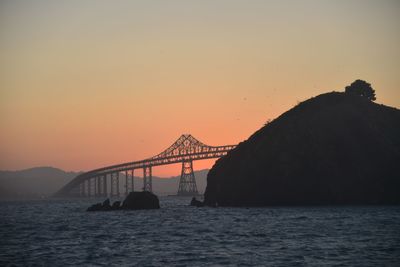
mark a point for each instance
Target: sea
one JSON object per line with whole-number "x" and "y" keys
{"x": 62, "y": 233}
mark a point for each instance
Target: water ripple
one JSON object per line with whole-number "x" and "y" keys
{"x": 61, "y": 233}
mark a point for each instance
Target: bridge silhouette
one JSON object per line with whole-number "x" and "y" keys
{"x": 104, "y": 182}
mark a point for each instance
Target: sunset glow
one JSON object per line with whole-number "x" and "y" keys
{"x": 86, "y": 84}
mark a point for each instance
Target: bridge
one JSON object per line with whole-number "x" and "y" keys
{"x": 105, "y": 182}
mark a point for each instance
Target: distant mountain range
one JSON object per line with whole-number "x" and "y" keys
{"x": 42, "y": 182}
{"x": 33, "y": 183}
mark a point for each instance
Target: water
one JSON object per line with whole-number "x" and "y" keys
{"x": 61, "y": 233}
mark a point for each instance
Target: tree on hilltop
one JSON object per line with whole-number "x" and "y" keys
{"x": 361, "y": 88}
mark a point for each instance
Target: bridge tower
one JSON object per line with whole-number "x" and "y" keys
{"x": 105, "y": 181}
{"x": 147, "y": 179}
{"x": 187, "y": 183}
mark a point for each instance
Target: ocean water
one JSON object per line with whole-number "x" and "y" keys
{"x": 62, "y": 233}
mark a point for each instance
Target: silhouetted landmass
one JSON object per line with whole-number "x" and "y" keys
{"x": 134, "y": 201}
{"x": 333, "y": 149}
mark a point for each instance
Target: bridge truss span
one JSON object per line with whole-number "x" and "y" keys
{"x": 185, "y": 150}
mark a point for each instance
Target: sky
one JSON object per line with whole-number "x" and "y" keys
{"x": 87, "y": 84}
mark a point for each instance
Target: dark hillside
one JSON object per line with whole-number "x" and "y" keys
{"x": 335, "y": 148}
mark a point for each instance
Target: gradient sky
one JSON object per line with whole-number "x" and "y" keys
{"x": 84, "y": 84}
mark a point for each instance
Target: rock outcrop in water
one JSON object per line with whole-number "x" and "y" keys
{"x": 140, "y": 200}
{"x": 134, "y": 201}
{"x": 196, "y": 203}
{"x": 102, "y": 207}
{"x": 333, "y": 149}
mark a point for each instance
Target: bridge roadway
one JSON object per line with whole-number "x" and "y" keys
{"x": 185, "y": 150}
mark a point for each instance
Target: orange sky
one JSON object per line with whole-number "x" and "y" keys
{"x": 84, "y": 84}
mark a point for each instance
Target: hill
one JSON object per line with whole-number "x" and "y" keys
{"x": 33, "y": 183}
{"x": 334, "y": 149}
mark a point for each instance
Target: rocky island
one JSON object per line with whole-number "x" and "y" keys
{"x": 133, "y": 201}
{"x": 338, "y": 148}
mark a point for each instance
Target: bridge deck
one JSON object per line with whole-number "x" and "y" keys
{"x": 185, "y": 149}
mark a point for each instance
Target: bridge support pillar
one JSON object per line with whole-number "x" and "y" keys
{"x": 82, "y": 189}
{"x": 147, "y": 179}
{"x": 93, "y": 186}
{"x": 132, "y": 181}
{"x": 105, "y": 193}
{"x": 187, "y": 183}
{"x": 128, "y": 182}
{"x": 99, "y": 186}
{"x": 96, "y": 186}
{"x": 118, "y": 194}
{"x": 89, "y": 188}
{"x": 115, "y": 184}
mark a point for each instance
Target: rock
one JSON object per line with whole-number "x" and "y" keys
{"x": 134, "y": 201}
{"x": 140, "y": 200}
{"x": 196, "y": 203}
{"x": 106, "y": 205}
{"x": 116, "y": 205}
{"x": 333, "y": 149}
{"x": 95, "y": 207}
